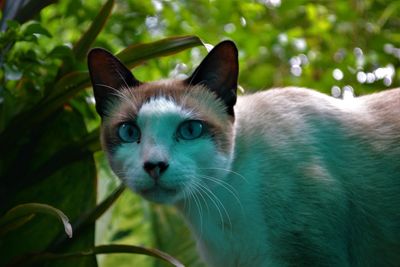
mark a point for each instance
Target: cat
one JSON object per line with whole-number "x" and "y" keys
{"x": 282, "y": 177}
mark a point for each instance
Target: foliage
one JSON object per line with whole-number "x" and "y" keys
{"x": 49, "y": 130}
{"x": 55, "y": 166}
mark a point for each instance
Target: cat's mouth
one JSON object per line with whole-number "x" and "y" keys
{"x": 159, "y": 193}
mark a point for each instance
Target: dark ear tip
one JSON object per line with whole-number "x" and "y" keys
{"x": 98, "y": 52}
{"x": 228, "y": 50}
{"x": 227, "y": 44}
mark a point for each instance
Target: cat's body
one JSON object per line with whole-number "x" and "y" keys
{"x": 284, "y": 177}
{"x": 322, "y": 183}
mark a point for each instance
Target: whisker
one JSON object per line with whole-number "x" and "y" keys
{"x": 185, "y": 197}
{"x": 217, "y": 203}
{"x": 227, "y": 170}
{"x": 226, "y": 186}
{"x": 199, "y": 209}
{"x": 204, "y": 200}
{"x": 121, "y": 173}
{"x": 201, "y": 190}
{"x": 122, "y": 94}
{"x": 122, "y": 77}
{"x": 106, "y": 86}
{"x": 221, "y": 204}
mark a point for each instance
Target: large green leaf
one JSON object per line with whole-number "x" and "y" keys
{"x": 71, "y": 188}
{"x": 136, "y": 54}
{"x": 20, "y": 214}
{"x": 90, "y": 217}
{"x": 72, "y": 153}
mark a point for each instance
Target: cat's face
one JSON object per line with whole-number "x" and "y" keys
{"x": 166, "y": 140}
{"x": 166, "y": 145}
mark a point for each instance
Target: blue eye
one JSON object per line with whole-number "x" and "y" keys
{"x": 129, "y": 132}
{"x": 190, "y": 130}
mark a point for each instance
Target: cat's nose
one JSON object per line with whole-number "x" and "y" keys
{"x": 155, "y": 169}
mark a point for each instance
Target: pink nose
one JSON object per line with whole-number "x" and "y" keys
{"x": 155, "y": 169}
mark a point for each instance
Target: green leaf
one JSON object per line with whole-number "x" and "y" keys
{"x": 34, "y": 27}
{"x": 61, "y": 51}
{"x": 134, "y": 220}
{"x": 91, "y": 217}
{"x": 16, "y": 223}
{"x": 12, "y": 73}
{"x": 72, "y": 153}
{"x": 136, "y": 54}
{"x": 82, "y": 46}
{"x": 23, "y": 213}
{"x": 171, "y": 234}
{"x": 102, "y": 249}
{"x": 12, "y": 24}
{"x": 70, "y": 84}
{"x": 107, "y": 249}
{"x": 101, "y": 208}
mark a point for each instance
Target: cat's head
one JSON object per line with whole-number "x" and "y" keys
{"x": 167, "y": 140}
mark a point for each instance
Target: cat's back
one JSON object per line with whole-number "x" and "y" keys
{"x": 384, "y": 103}
{"x": 383, "y": 107}
{"x": 298, "y": 108}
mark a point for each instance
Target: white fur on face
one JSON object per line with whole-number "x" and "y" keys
{"x": 189, "y": 160}
{"x": 162, "y": 106}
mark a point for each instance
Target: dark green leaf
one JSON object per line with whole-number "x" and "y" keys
{"x": 34, "y": 27}
{"x": 61, "y": 51}
{"x": 12, "y": 24}
{"x": 23, "y": 213}
{"x": 94, "y": 214}
{"x": 104, "y": 249}
{"x": 15, "y": 224}
{"x": 82, "y": 46}
{"x": 136, "y": 54}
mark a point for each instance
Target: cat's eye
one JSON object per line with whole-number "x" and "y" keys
{"x": 191, "y": 129}
{"x": 128, "y": 132}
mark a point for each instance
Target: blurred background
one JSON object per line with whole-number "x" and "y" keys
{"x": 49, "y": 149}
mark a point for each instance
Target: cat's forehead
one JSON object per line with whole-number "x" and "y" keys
{"x": 162, "y": 106}
{"x": 169, "y": 97}
{"x": 131, "y": 100}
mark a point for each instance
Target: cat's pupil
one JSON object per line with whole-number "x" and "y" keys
{"x": 190, "y": 130}
{"x": 129, "y": 133}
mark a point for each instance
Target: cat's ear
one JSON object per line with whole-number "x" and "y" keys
{"x": 108, "y": 75}
{"x": 219, "y": 72}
